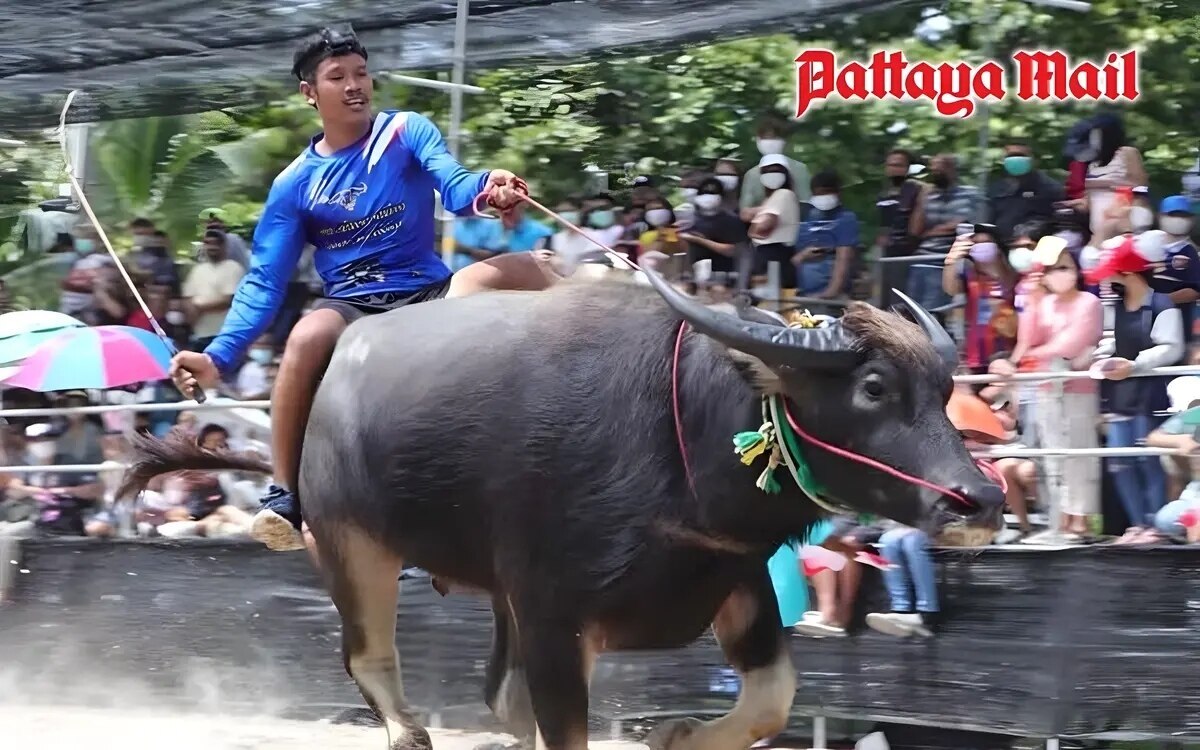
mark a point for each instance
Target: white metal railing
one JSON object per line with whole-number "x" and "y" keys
{"x": 226, "y": 404}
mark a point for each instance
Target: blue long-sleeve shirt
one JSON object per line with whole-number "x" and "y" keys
{"x": 367, "y": 209}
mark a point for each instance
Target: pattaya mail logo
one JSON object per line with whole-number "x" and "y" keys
{"x": 956, "y": 88}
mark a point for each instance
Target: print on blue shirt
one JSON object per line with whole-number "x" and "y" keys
{"x": 367, "y": 209}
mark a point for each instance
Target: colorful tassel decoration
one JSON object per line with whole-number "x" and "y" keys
{"x": 766, "y": 481}
{"x": 751, "y": 445}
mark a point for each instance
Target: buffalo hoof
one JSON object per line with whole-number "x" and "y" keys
{"x": 673, "y": 734}
{"x": 415, "y": 738}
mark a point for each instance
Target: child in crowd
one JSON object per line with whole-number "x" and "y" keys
{"x": 911, "y": 579}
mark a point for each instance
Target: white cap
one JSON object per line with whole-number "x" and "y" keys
{"x": 1183, "y": 391}
{"x": 1151, "y": 245}
{"x": 773, "y": 160}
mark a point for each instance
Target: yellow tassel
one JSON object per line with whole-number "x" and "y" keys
{"x": 753, "y": 452}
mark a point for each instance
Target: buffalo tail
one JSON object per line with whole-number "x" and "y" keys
{"x": 153, "y": 457}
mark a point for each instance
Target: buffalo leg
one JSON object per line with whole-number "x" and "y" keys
{"x": 558, "y": 666}
{"x": 751, "y": 636}
{"x": 362, "y": 580}
{"x": 506, "y": 691}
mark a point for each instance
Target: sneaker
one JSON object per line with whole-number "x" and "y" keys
{"x": 818, "y": 628}
{"x": 277, "y": 525}
{"x": 898, "y": 624}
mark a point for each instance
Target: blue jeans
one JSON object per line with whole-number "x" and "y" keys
{"x": 1140, "y": 480}
{"x": 908, "y": 550}
{"x": 814, "y": 276}
{"x": 1166, "y": 519}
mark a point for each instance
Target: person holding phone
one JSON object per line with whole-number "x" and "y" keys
{"x": 828, "y": 241}
{"x": 976, "y": 267}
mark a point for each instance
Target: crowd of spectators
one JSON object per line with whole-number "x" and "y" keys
{"x": 1029, "y": 272}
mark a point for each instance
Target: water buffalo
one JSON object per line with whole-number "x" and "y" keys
{"x": 538, "y": 446}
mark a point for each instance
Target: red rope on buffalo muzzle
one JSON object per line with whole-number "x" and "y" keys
{"x": 808, "y": 437}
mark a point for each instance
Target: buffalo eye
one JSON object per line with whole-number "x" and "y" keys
{"x": 873, "y": 387}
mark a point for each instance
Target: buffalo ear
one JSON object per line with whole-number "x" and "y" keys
{"x": 760, "y": 377}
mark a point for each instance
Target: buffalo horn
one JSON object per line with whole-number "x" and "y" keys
{"x": 937, "y": 334}
{"x": 828, "y": 348}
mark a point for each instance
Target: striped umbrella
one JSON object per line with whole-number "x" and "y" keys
{"x": 23, "y": 331}
{"x": 99, "y": 357}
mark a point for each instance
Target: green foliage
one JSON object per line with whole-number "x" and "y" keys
{"x": 665, "y": 111}
{"x": 161, "y": 168}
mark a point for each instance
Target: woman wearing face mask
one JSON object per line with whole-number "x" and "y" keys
{"x": 1059, "y": 329}
{"x": 829, "y": 240}
{"x": 662, "y": 235}
{"x": 770, "y": 141}
{"x": 775, "y": 224}
{"x": 599, "y": 220}
{"x": 976, "y": 267}
{"x": 727, "y": 173}
{"x": 717, "y": 231}
{"x": 570, "y": 247}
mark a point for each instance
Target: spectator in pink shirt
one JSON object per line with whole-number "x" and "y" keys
{"x": 1059, "y": 329}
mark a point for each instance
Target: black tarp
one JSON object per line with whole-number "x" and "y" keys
{"x": 136, "y": 58}
{"x": 1038, "y": 643}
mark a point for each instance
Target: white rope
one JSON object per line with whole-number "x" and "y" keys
{"x": 87, "y": 209}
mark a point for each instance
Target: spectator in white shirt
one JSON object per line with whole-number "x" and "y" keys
{"x": 209, "y": 289}
{"x": 775, "y": 224}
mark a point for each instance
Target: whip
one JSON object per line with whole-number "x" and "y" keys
{"x": 197, "y": 392}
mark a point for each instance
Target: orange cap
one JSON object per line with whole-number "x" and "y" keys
{"x": 973, "y": 417}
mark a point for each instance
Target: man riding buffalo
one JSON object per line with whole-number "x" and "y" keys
{"x": 362, "y": 195}
{"x": 568, "y": 453}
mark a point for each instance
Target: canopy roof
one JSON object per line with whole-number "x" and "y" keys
{"x": 136, "y": 58}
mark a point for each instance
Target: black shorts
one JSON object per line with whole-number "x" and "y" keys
{"x": 353, "y": 309}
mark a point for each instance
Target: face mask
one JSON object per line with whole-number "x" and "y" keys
{"x": 729, "y": 181}
{"x": 1087, "y": 154}
{"x": 1141, "y": 218}
{"x": 601, "y": 219}
{"x": 688, "y": 194}
{"x": 824, "y": 202}
{"x": 1021, "y": 259}
{"x": 1176, "y": 225}
{"x": 708, "y": 202}
{"x": 1096, "y": 139}
{"x": 176, "y": 317}
{"x": 140, "y": 241}
{"x": 772, "y": 180}
{"x": 984, "y": 252}
{"x": 1018, "y": 165}
{"x": 43, "y": 450}
{"x": 767, "y": 146}
{"x": 571, "y": 216}
{"x": 1060, "y": 281}
{"x": 261, "y": 356}
{"x": 657, "y": 217}
{"x": 84, "y": 246}
{"x": 939, "y": 180}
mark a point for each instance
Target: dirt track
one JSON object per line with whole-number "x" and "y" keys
{"x": 43, "y": 728}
